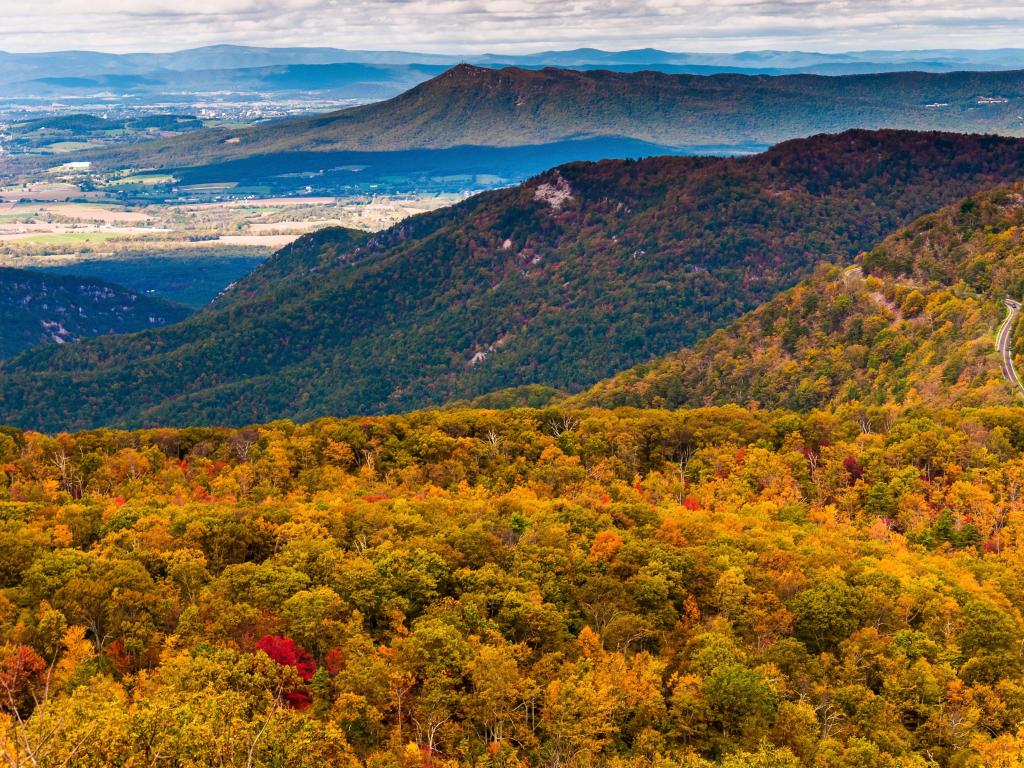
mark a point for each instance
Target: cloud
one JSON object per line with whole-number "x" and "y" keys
{"x": 511, "y": 25}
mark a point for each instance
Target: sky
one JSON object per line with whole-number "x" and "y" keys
{"x": 511, "y": 26}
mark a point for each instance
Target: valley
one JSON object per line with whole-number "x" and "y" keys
{"x": 181, "y": 206}
{"x": 471, "y": 128}
{"x": 183, "y": 252}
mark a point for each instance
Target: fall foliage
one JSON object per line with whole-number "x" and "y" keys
{"x": 911, "y": 322}
{"x": 533, "y": 587}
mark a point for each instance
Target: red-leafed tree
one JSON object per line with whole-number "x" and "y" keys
{"x": 20, "y": 669}
{"x": 285, "y": 652}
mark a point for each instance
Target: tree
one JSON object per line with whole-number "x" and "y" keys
{"x": 285, "y": 652}
{"x": 826, "y": 613}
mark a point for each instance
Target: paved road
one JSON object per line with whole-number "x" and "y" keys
{"x": 1003, "y": 344}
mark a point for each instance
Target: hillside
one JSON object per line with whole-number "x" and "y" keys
{"x": 251, "y": 73}
{"x": 78, "y": 125}
{"x": 470, "y": 105}
{"x": 713, "y": 588}
{"x": 913, "y": 322}
{"x": 574, "y": 276}
{"x": 41, "y": 135}
{"x": 37, "y": 308}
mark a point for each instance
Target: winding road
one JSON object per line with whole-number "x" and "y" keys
{"x": 1003, "y": 345}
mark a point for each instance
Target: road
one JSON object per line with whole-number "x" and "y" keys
{"x": 1003, "y": 344}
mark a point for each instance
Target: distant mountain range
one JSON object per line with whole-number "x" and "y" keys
{"x": 83, "y": 63}
{"x": 474, "y": 127}
{"x": 342, "y": 81}
{"x": 578, "y": 274}
{"x": 38, "y": 308}
{"x": 380, "y": 74}
{"x": 470, "y": 106}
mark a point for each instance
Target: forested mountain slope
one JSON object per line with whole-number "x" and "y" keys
{"x": 510, "y": 107}
{"x": 716, "y": 588}
{"x": 913, "y": 322}
{"x": 294, "y": 265}
{"x": 567, "y": 279}
{"x": 37, "y": 308}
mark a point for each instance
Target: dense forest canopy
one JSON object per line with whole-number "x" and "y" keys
{"x": 570, "y": 278}
{"x": 554, "y": 587}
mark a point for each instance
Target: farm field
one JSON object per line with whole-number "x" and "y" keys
{"x": 185, "y": 253}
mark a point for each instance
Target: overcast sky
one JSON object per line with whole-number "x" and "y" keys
{"x": 473, "y": 26}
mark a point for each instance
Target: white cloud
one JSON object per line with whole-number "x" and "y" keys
{"x": 510, "y": 25}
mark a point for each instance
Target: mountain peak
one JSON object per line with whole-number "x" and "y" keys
{"x": 465, "y": 70}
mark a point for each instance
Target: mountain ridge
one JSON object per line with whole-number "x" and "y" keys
{"x": 230, "y": 56}
{"x": 912, "y": 322}
{"x": 562, "y": 281}
{"x": 368, "y": 75}
{"x": 470, "y": 105}
{"x": 37, "y": 308}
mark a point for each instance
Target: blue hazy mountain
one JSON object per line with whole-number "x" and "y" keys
{"x": 380, "y": 74}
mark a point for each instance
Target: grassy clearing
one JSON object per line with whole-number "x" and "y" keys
{"x": 212, "y": 185}
{"x": 143, "y": 179}
{"x": 71, "y": 238}
{"x": 6, "y": 218}
{"x": 60, "y": 147}
{"x": 257, "y": 211}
